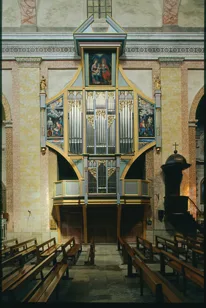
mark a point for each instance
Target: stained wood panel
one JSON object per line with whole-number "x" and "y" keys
{"x": 71, "y": 223}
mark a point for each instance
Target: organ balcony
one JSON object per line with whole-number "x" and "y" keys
{"x": 72, "y": 192}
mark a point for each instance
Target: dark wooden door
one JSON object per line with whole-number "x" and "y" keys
{"x": 132, "y": 222}
{"x": 102, "y": 224}
{"x": 71, "y": 223}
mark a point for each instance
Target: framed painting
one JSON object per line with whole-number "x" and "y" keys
{"x": 100, "y": 68}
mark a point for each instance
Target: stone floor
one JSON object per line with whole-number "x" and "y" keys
{"x": 106, "y": 281}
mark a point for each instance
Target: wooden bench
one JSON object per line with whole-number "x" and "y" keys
{"x": 197, "y": 255}
{"x": 21, "y": 251}
{"x": 47, "y": 248}
{"x": 43, "y": 287}
{"x": 90, "y": 254}
{"x": 13, "y": 277}
{"x": 71, "y": 250}
{"x": 144, "y": 246}
{"x": 180, "y": 267}
{"x": 189, "y": 243}
{"x": 171, "y": 246}
{"x": 121, "y": 248}
{"x": 163, "y": 292}
{"x": 7, "y": 243}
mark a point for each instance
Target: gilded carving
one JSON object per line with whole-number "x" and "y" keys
{"x": 111, "y": 94}
{"x": 73, "y": 103}
{"x": 125, "y": 103}
{"x": 102, "y": 162}
{"x": 111, "y": 119}
{"x": 111, "y": 171}
{"x": 101, "y": 112}
{"x": 93, "y": 171}
{"x": 90, "y": 119}
{"x": 43, "y": 85}
{"x": 157, "y": 83}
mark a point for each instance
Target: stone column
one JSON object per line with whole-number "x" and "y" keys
{"x": 192, "y": 169}
{"x": 84, "y": 213}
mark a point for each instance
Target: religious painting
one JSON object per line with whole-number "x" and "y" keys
{"x": 100, "y": 69}
{"x": 146, "y": 119}
{"x": 55, "y": 119}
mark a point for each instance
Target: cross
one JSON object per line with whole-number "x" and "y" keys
{"x": 175, "y": 145}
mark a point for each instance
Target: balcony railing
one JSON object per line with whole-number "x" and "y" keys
{"x": 128, "y": 188}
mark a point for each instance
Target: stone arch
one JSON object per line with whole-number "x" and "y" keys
{"x": 7, "y": 109}
{"x": 192, "y": 145}
{"x": 195, "y": 103}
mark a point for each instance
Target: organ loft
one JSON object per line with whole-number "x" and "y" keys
{"x": 103, "y": 112}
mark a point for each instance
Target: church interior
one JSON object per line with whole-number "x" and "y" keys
{"x": 103, "y": 114}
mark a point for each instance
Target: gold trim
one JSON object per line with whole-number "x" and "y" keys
{"x": 66, "y": 88}
{"x": 68, "y": 158}
{"x": 134, "y": 87}
{"x": 137, "y": 154}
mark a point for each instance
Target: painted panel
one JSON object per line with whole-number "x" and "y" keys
{"x": 191, "y": 13}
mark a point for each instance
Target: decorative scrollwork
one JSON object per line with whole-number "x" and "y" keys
{"x": 101, "y": 112}
{"x": 125, "y": 103}
{"x": 111, "y": 171}
{"x": 73, "y": 103}
{"x": 90, "y": 119}
{"x": 93, "y": 171}
{"x": 111, "y": 119}
{"x": 102, "y": 162}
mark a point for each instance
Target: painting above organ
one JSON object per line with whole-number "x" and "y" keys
{"x": 100, "y": 111}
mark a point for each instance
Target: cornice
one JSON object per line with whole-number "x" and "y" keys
{"x": 139, "y": 46}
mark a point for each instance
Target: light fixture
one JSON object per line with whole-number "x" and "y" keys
{"x": 158, "y": 150}
{"x": 43, "y": 150}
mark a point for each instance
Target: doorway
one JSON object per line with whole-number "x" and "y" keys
{"x": 102, "y": 224}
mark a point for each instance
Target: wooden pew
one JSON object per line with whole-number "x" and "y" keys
{"x": 47, "y": 248}
{"x": 13, "y": 277}
{"x": 187, "y": 271}
{"x": 7, "y": 243}
{"x": 20, "y": 251}
{"x": 147, "y": 248}
{"x": 71, "y": 250}
{"x": 170, "y": 245}
{"x": 163, "y": 291}
{"x": 44, "y": 287}
{"x": 90, "y": 254}
{"x": 189, "y": 243}
{"x": 121, "y": 247}
{"x": 196, "y": 256}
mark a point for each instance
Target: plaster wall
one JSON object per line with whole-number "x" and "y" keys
{"x": 3, "y": 154}
{"x": 171, "y": 111}
{"x": 142, "y": 79}
{"x": 195, "y": 83}
{"x": 61, "y": 13}
{"x": 11, "y": 16}
{"x": 191, "y": 13}
{"x": 7, "y": 85}
{"x": 58, "y": 79}
{"x": 138, "y": 13}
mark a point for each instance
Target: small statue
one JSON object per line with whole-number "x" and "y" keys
{"x": 43, "y": 84}
{"x": 157, "y": 83}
